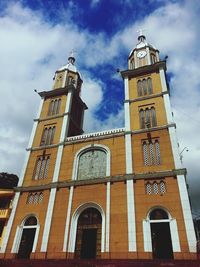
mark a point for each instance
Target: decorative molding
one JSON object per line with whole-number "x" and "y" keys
{"x": 94, "y": 135}
{"x": 152, "y": 129}
{"x": 146, "y": 97}
{"x": 52, "y": 117}
{"x": 112, "y": 179}
{"x": 145, "y": 69}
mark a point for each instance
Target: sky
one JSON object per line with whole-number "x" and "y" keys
{"x": 37, "y": 37}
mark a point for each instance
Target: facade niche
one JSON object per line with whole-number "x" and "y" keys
{"x": 92, "y": 164}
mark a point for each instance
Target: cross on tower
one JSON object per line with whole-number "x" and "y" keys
{"x": 141, "y": 31}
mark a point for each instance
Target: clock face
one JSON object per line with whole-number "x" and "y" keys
{"x": 141, "y": 54}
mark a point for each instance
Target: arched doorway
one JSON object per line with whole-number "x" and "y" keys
{"x": 27, "y": 238}
{"x": 160, "y": 235}
{"x": 88, "y": 236}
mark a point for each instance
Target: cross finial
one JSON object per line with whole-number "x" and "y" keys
{"x": 71, "y": 54}
{"x": 71, "y": 58}
{"x": 141, "y": 31}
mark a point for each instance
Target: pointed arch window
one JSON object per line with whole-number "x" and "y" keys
{"x": 48, "y": 135}
{"x": 151, "y": 152}
{"x": 144, "y": 87}
{"x": 148, "y": 118}
{"x": 149, "y": 86}
{"x": 35, "y": 198}
{"x": 139, "y": 88}
{"x": 155, "y": 188}
{"x": 41, "y": 168}
{"x": 54, "y": 107}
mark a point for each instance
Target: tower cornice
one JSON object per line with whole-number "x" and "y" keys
{"x": 144, "y": 70}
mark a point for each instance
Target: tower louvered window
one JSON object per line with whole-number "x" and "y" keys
{"x": 34, "y": 198}
{"x": 162, "y": 187}
{"x": 148, "y": 189}
{"x": 144, "y": 87}
{"x": 48, "y": 135}
{"x": 151, "y": 152}
{"x": 54, "y": 107}
{"x": 41, "y": 169}
{"x": 148, "y": 118}
{"x": 155, "y": 188}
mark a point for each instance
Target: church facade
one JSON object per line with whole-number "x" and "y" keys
{"x": 114, "y": 194}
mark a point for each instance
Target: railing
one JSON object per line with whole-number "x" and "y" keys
{"x": 97, "y": 134}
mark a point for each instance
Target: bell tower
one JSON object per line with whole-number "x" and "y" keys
{"x": 152, "y": 151}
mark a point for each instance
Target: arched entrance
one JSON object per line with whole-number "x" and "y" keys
{"x": 88, "y": 236}
{"x": 160, "y": 235}
{"x": 27, "y": 238}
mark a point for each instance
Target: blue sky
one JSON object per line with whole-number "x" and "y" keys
{"x": 37, "y": 37}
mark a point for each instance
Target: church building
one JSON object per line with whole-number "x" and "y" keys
{"x": 115, "y": 194}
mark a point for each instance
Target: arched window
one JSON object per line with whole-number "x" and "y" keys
{"x": 48, "y": 136}
{"x": 158, "y": 214}
{"x": 29, "y": 199}
{"x": 142, "y": 118}
{"x": 162, "y": 187}
{"x": 151, "y": 152}
{"x": 148, "y": 118}
{"x": 145, "y": 153}
{"x": 41, "y": 168}
{"x": 153, "y": 117}
{"x": 54, "y": 107}
{"x": 157, "y": 149}
{"x": 139, "y": 88}
{"x": 155, "y": 188}
{"x": 92, "y": 164}
{"x": 149, "y": 86}
{"x": 30, "y": 221}
{"x": 148, "y": 189}
{"x": 144, "y": 87}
